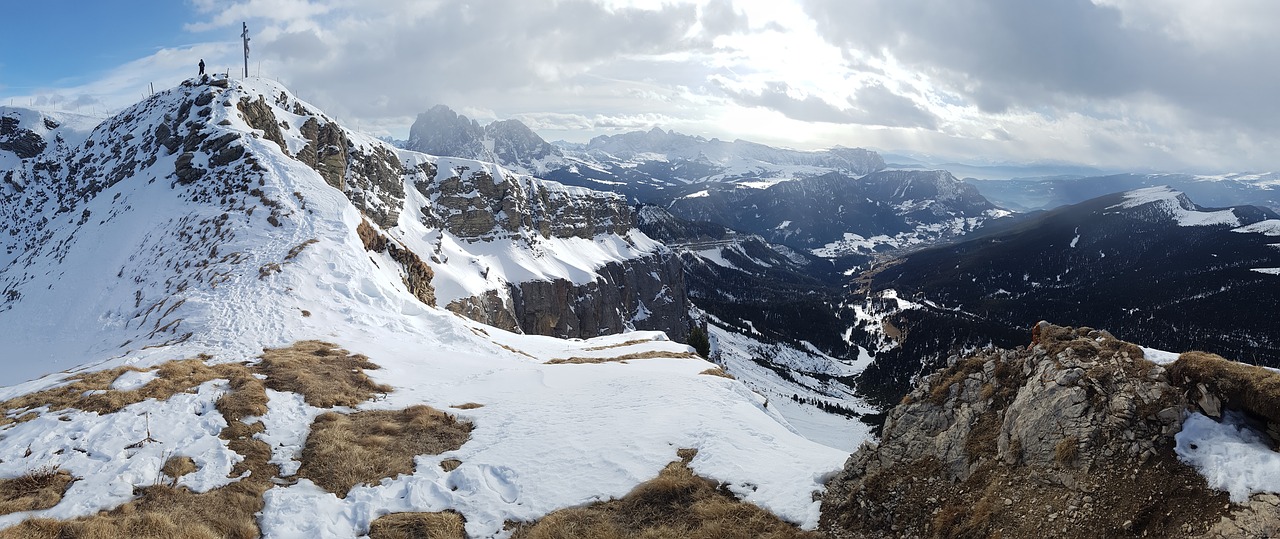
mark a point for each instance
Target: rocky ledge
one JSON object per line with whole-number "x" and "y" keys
{"x": 1072, "y": 436}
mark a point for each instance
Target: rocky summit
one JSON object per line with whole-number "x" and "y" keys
{"x": 1076, "y": 435}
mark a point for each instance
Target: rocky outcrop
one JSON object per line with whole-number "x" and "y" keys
{"x": 646, "y": 293}
{"x": 370, "y": 175}
{"x": 22, "y": 142}
{"x": 417, "y": 274}
{"x": 1071, "y": 437}
{"x": 476, "y": 204}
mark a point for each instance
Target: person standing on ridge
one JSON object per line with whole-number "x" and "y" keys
{"x": 202, "y": 67}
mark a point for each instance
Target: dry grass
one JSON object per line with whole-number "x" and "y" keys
{"x": 297, "y": 249}
{"x": 345, "y": 450}
{"x": 1067, "y": 451}
{"x": 443, "y": 525}
{"x": 40, "y": 488}
{"x": 325, "y": 375}
{"x": 92, "y": 392}
{"x": 468, "y": 406}
{"x": 619, "y": 345}
{"x": 177, "y": 467}
{"x": 676, "y": 504}
{"x": 164, "y": 511}
{"x": 624, "y": 358}
{"x": 718, "y": 372}
{"x": 450, "y": 465}
{"x": 1254, "y": 389}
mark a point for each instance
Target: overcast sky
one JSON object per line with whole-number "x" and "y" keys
{"x": 1166, "y": 84}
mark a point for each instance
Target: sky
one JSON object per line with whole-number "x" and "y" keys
{"x": 1173, "y": 85}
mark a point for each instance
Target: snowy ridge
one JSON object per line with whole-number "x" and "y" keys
{"x": 1164, "y": 201}
{"x": 187, "y": 230}
{"x": 1270, "y": 227}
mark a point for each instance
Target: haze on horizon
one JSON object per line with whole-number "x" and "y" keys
{"x": 1176, "y": 85}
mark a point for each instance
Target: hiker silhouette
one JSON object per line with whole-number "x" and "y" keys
{"x": 202, "y": 67}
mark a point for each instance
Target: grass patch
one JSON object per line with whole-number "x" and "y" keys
{"x": 623, "y": 358}
{"x": 297, "y": 249}
{"x": 676, "y": 504}
{"x": 166, "y": 511}
{"x": 619, "y": 345}
{"x": 325, "y": 375}
{"x": 718, "y": 372}
{"x": 92, "y": 392}
{"x": 442, "y": 525}
{"x": 345, "y": 450}
{"x": 468, "y": 406}
{"x": 39, "y": 488}
{"x": 177, "y": 467}
{"x": 1254, "y": 389}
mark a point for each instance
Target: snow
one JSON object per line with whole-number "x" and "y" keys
{"x": 700, "y": 194}
{"x": 1076, "y": 239}
{"x": 99, "y": 450}
{"x": 1270, "y": 227}
{"x": 740, "y": 354}
{"x": 133, "y": 380}
{"x": 287, "y": 424}
{"x": 1159, "y": 357}
{"x": 1231, "y": 456}
{"x": 715, "y": 255}
{"x": 1268, "y": 271}
{"x": 1167, "y": 202}
{"x": 547, "y": 437}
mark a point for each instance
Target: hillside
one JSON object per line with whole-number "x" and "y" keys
{"x": 1149, "y": 264}
{"x": 209, "y": 222}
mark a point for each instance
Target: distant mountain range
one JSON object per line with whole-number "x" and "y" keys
{"x": 1051, "y": 192}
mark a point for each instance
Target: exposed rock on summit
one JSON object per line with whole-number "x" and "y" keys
{"x": 1070, "y": 437}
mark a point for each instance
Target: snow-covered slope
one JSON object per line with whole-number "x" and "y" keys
{"x": 187, "y": 224}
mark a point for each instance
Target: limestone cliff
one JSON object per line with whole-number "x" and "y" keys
{"x": 480, "y": 203}
{"x": 1070, "y": 437}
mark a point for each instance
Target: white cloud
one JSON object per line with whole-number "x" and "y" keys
{"x": 1182, "y": 84}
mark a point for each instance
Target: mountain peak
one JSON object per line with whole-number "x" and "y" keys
{"x": 511, "y": 143}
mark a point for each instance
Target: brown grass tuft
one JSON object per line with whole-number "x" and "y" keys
{"x": 345, "y": 450}
{"x": 676, "y": 504}
{"x": 39, "y": 488}
{"x": 1067, "y": 451}
{"x": 443, "y": 525}
{"x": 177, "y": 467}
{"x": 1254, "y": 389}
{"x": 618, "y": 345}
{"x": 718, "y": 372}
{"x": 297, "y": 249}
{"x": 623, "y": 358}
{"x": 324, "y": 374}
{"x": 468, "y": 406}
{"x": 450, "y": 465}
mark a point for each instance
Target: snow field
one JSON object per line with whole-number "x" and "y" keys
{"x": 1230, "y": 456}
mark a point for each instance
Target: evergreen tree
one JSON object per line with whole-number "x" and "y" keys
{"x": 699, "y": 341}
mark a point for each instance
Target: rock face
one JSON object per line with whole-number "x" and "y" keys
{"x": 484, "y": 203}
{"x": 369, "y": 174}
{"x": 478, "y": 205}
{"x": 510, "y": 143}
{"x": 1074, "y": 431}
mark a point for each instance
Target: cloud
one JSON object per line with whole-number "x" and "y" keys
{"x": 395, "y": 58}
{"x": 871, "y": 105}
{"x": 1003, "y": 54}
